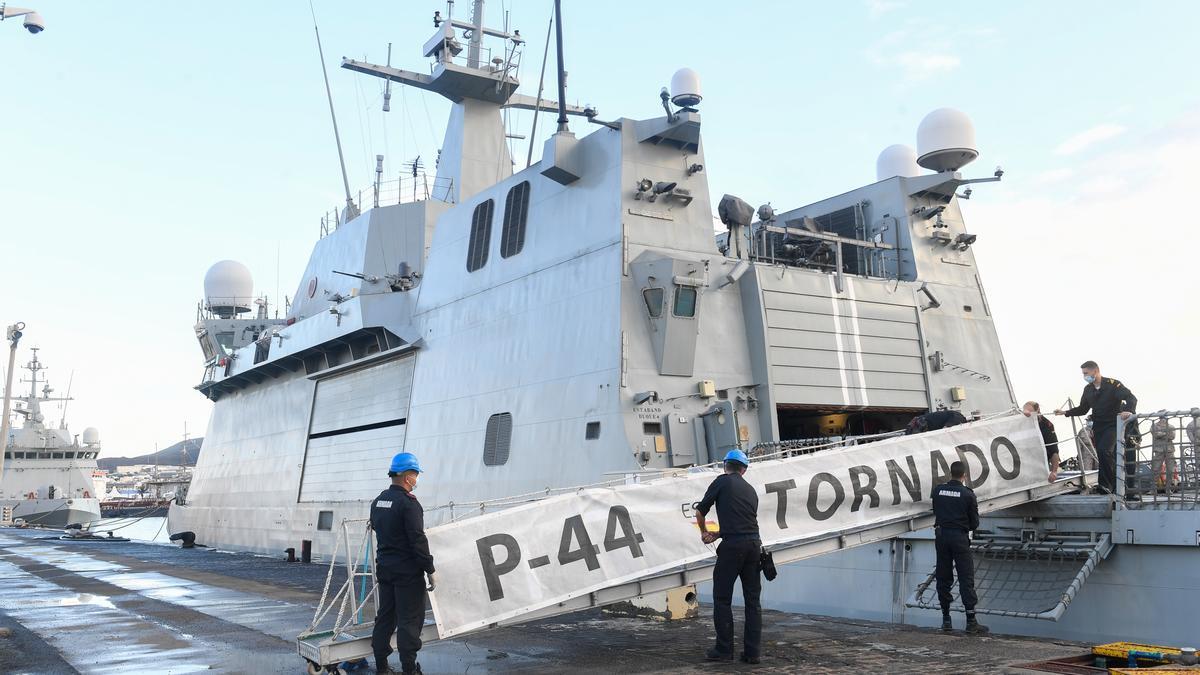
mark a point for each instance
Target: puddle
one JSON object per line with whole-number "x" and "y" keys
{"x": 84, "y": 599}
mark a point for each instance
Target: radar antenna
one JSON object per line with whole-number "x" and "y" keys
{"x": 416, "y": 167}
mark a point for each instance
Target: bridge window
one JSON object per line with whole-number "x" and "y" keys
{"x": 685, "y": 302}
{"x": 481, "y": 236}
{"x": 516, "y": 210}
{"x": 654, "y": 301}
{"x": 56, "y": 455}
{"x": 497, "y": 439}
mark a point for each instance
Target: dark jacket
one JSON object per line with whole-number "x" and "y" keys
{"x": 1049, "y": 436}
{"x": 1111, "y": 398}
{"x": 954, "y": 506}
{"x": 399, "y": 524}
{"x": 737, "y": 506}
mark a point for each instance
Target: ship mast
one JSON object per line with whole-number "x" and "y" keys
{"x": 474, "y": 151}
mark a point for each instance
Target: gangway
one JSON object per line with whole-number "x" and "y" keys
{"x": 349, "y": 638}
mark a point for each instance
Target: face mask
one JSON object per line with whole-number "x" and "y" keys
{"x": 1090, "y": 379}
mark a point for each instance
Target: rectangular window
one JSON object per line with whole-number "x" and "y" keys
{"x": 685, "y": 302}
{"x": 70, "y": 455}
{"x": 56, "y": 455}
{"x": 497, "y": 439}
{"x": 516, "y": 211}
{"x": 592, "y": 432}
{"x": 652, "y": 428}
{"x": 325, "y": 520}
{"x": 481, "y": 236}
{"x": 654, "y": 301}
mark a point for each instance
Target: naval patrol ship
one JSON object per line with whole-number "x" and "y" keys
{"x": 528, "y": 330}
{"x": 47, "y": 477}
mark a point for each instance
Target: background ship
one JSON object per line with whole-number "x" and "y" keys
{"x": 47, "y": 475}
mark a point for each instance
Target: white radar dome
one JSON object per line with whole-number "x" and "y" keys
{"x": 946, "y": 140}
{"x": 228, "y": 288}
{"x": 91, "y": 436}
{"x": 897, "y": 160}
{"x": 685, "y": 88}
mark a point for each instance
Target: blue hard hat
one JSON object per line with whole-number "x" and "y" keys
{"x": 737, "y": 456}
{"x": 404, "y": 461}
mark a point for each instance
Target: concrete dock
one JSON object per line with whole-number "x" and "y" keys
{"x": 85, "y": 607}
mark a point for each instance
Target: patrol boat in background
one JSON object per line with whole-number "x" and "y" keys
{"x": 551, "y": 327}
{"x": 48, "y": 475}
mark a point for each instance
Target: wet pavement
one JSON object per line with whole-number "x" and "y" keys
{"x": 151, "y": 608}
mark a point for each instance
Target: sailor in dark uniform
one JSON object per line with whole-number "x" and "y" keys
{"x": 402, "y": 561}
{"x": 956, "y": 515}
{"x": 1107, "y": 398}
{"x": 737, "y": 557}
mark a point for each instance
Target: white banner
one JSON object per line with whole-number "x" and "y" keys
{"x": 497, "y": 566}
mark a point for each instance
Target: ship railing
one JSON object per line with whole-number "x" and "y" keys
{"x": 1157, "y": 465}
{"x": 405, "y": 189}
{"x": 504, "y": 63}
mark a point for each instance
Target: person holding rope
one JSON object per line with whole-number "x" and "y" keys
{"x": 402, "y": 561}
{"x": 1049, "y": 436}
{"x": 1106, "y": 398}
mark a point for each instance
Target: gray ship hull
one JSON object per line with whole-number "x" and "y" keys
{"x": 54, "y": 512}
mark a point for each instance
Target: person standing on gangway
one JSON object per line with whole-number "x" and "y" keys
{"x": 737, "y": 556}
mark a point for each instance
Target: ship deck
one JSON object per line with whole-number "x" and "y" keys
{"x": 129, "y": 607}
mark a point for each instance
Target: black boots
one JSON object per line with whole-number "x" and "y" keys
{"x": 714, "y": 655}
{"x": 973, "y": 625}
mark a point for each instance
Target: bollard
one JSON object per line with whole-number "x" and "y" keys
{"x": 291, "y": 554}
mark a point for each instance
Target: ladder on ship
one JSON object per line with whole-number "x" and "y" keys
{"x": 349, "y": 639}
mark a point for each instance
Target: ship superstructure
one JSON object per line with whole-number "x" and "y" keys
{"x": 48, "y": 477}
{"x": 577, "y": 319}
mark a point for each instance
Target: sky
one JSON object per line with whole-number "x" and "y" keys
{"x": 143, "y": 141}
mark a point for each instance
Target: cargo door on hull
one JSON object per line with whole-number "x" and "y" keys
{"x": 358, "y": 422}
{"x": 857, "y": 349}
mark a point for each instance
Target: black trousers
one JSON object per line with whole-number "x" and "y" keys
{"x": 1106, "y": 452}
{"x": 738, "y": 559}
{"x": 954, "y": 553}
{"x": 401, "y": 609}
